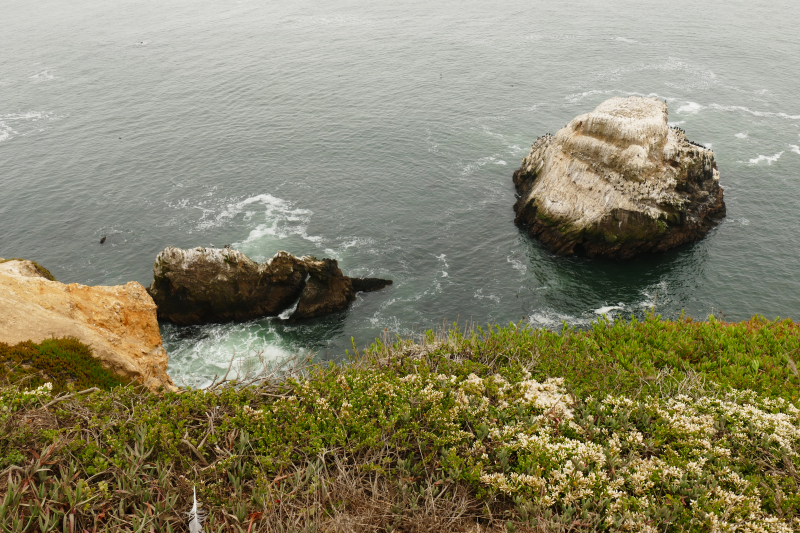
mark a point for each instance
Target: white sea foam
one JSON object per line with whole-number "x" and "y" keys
{"x": 45, "y": 75}
{"x": 480, "y": 296}
{"x": 280, "y": 218}
{"x": 20, "y": 123}
{"x": 692, "y": 108}
{"x": 198, "y": 353}
{"x": 475, "y": 165}
{"x": 742, "y": 135}
{"x": 516, "y": 264}
{"x": 550, "y": 319}
{"x": 742, "y": 109}
{"x": 673, "y": 124}
{"x": 608, "y": 308}
{"x": 795, "y": 148}
{"x": 443, "y": 259}
{"x": 700, "y": 78}
{"x": 624, "y": 40}
{"x": 576, "y": 97}
{"x": 286, "y": 313}
{"x": 768, "y": 159}
{"x": 444, "y": 274}
{"x": 585, "y": 94}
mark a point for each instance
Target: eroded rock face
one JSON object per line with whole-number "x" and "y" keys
{"x": 618, "y": 182}
{"x": 119, "y": 322}
{"x": 205, "y": 285}
{"x": 326, "y": 291}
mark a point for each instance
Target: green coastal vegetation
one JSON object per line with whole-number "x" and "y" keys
{"x": 630, "y": 425}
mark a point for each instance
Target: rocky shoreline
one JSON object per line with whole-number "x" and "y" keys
{"x": 118, "y": 323}
{"x": 197, "y": 286}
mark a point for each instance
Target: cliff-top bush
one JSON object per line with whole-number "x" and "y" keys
{"x": 60, "y": 362}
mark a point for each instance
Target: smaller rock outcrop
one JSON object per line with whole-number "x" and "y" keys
{"x": 119, "y": 323}
{"x": 369, "y": 284}
{"x": 326, "y": 291}
{"x": 617, "y": 182}
{"x": 204, "y": 285}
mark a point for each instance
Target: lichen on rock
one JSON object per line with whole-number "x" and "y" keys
{"x": 617, "y": 182}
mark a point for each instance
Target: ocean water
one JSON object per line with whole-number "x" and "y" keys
{"x": 384, "y": 135}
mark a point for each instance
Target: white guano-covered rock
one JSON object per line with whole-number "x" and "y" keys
{"x": 617, "y": 182}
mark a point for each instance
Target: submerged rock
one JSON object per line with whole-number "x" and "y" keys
{"x": 118, "y": 323}
{"x": 618, "y": 182}
{"x": 205, "y": 285}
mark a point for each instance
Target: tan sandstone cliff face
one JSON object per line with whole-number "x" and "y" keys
{"x": 618, "y": 181}
{"x": 118, "y": 322}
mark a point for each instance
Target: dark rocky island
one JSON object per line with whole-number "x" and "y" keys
{"x": 618, "y": 182}
{"x": 204, "y": 285}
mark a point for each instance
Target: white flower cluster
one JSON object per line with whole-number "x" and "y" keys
{"x": 620, "y": 466}
{"x": 549, "y": 395}
{"x": 41, "y": 390}
{"x": 254, "y": 413}
{"x": 527, "y": 439}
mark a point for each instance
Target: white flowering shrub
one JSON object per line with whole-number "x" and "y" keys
{"x": 613, "y": 463}
{"x": 13, "y": 398}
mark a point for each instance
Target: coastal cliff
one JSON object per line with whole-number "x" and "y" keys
{"x": 118, "y": 322}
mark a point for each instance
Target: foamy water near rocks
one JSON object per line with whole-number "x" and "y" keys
{"x": 203, "y": 285}
{"x": 118, "y": 322}
{"x": 617, "y": 182}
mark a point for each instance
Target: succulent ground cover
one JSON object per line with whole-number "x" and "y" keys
{"x": 647, "y": 425}
{"x": 59, "y": 362}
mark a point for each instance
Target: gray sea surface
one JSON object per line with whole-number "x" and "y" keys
{"x": 384, "y": 134}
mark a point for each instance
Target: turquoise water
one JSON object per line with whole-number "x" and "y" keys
{"x": 385, "y": 136}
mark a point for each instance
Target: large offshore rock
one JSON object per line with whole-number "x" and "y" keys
{"x": 118, "y": 323}
{"x": 205, "y": 285}
{"x": 618, "y": 182}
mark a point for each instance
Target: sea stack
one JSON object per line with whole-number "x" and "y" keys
{"x": 618, "y": 182}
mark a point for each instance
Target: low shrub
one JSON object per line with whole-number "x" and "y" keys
{"x": 628, "y": 426}
{"x": 60, "y": 362}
